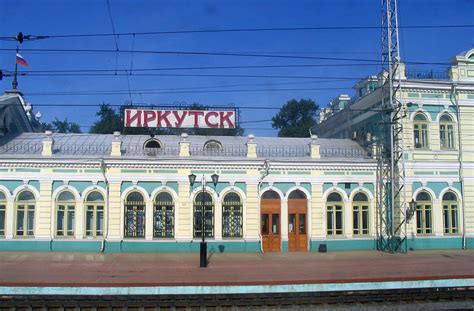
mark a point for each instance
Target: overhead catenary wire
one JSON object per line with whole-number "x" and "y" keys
{"x": 229, "y": 30}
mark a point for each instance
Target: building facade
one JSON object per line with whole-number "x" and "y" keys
{"x": 438, "y": 144}
{"x": 132, "y": 193}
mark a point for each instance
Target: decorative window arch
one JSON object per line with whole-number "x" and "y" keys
{"x": 3, "y": 207}
{"x": 297, "y": 194}
{"x": 450, "y": 213}
{"x": 232, "y": 211}
{"x": 203, "y": 205}
{"x": 420, "y": 131}
{"x": 25, "y": 213}
{"x": 446, "y": 132}
{"x": 134, "y": 215}
{"x": 152, "y": 147}
{"x": 94, "y": 209}
{"x": 424, "y": 221}
{"x": 360, "y": 214}
{"x": 213, "y": 146}
{"x": 163, "y": 215}
{"x": 271, "y": 194}
{"x": 334, "y": 204}
{"x": 65, "y": 214}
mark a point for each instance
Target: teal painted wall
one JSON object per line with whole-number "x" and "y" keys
{"x": 11, "y": 184}
{"x": 284, "y": 186}
{"x": 435, "y": 243}
{"x": 35, "y": 184}
{"x": 173, "y": 185}
{"x": 284, "y": 246}
{"x": 149, "y": 186}
{"x": 242, "y": 186}
{"x": 326, "y": 186}
{"x": 307, "y": 186}
{"x": 80, "y": 185}
{"x": 344, "y": 245}
{"x": 57, "y": 184}
{"x": 125, "y": 185}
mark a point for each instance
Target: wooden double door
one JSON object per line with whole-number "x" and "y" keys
{"x": 297, "y": 225}
{"x": 270, "y": 225}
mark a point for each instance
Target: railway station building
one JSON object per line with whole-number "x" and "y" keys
{"x": 132, "y": 193}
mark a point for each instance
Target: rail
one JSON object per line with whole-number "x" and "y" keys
{"x": 224, "y": 151}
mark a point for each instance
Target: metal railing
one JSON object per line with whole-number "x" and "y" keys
{"x": 21, "y": 146}
{"x": 139, "y": 150}
{"x": 225, "y": 151}
{"x": 426, "y": 75}
{"x": 283, "y": 151}
{"x": 344, "y": 152}
{"x": 82, "y": 149}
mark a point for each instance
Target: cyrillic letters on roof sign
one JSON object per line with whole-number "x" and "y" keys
{"x": 180, "y": 118}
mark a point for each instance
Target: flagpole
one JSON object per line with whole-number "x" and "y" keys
{"x": 15, "y": 82}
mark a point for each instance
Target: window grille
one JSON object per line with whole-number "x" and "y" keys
{"x": 232, "y": 216}
{"x": 3, "y": 204}
{"x": 135, "y": 216}
{"x": 208, "y": 211}
{"x": 163, "y": 215}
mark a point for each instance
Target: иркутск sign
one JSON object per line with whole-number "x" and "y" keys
{"x": 180, "y": 118}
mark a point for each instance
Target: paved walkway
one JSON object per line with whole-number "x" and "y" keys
{"x": 181, "y": 269}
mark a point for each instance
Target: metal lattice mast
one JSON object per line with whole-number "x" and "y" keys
{"x": 391, "y": 169}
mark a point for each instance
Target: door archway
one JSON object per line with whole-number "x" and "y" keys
{"x": 297, "y": 221}
{"x": 270, "y": 211}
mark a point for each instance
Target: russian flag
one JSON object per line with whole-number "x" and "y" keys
{"x": 20, "y": 60}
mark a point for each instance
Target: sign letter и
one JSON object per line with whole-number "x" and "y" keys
{"x": 180, "y": 118}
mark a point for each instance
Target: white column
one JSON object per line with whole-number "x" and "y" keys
{"x": 218, "y": 219}
{"x": 10, "y": 219}
{"x": 437, "y": 217}
{"x": 149, "y": 219}
{"x": 284, "y": 219}
{"x": 79, "y": 222}
{"x": 347, "y": 220}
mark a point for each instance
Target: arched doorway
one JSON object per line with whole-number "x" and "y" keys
{"x": 270, "y": 221}
{"x": 297, "y": 221}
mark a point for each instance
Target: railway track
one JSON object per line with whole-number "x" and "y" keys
{"x": 238, "y": 302}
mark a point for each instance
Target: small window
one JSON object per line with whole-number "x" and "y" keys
{"x": 66, "y": 196}
{"x": 445, "y": 118}
{"x": 449, "y": 196}
{"x": 152, "y": 147}
{"x": 26, "y": 196}
{"x": 163, "y": 216}
{"x": 270, "y": 194}
{"x": 420, "y": 117}
{"x": 360, "y": 197}
{"x": 94, "y": 196}
{"x": 213, "y": 146}
{"x": 297, "y": 194}
{"x": 334, "y": 197}
{"x": 420, "y": 131}
{"x": 423, "y": 196}
{"x": 232, "y": 216}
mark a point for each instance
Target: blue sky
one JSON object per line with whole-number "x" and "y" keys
{"x": 50, "y": 17}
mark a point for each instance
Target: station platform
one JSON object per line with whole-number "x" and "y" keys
{"x": 230, "y": 273}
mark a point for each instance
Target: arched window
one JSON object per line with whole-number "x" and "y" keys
{"x": 25, "y": 214}
{"x": 446, "y": 132}
{"x": 450, "y": 213}
{"x": 65, "y": 214}
{"x": 360, "y": 214}
{"x": 420, "y": 131}
{"x": 423, "y": 213}
{"x": 297, "y": 194}
{"x": 203, "y": 204}
{"x": 94, "y": 206}
{"x": 334, "y": 214}
{"x": 270, "y": 194}
{"x": 163, "y": 216}
{"x": 3, "y": 207}
{"x": 232, "y": 216}
{"x": 135, "y": 215}
{"x": 213, "y": 146}
{"x": 152, "y": 147}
